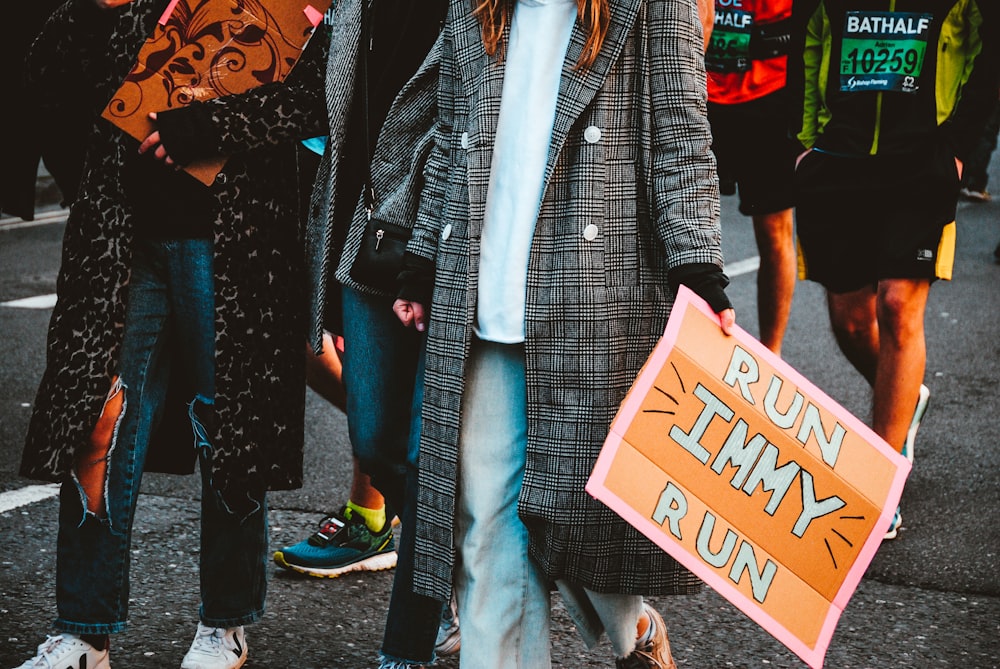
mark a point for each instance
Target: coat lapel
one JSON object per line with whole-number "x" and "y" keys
{"x": 579, "y": 85}
{"x": 483, "y": 76}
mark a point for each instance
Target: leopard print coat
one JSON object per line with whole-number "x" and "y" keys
{"x": 257, "y": 426}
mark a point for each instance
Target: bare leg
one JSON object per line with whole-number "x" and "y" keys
{"x": 882, "y": 334}
{"x": 324, "y": 373}
{"x": 856, "y": 329}
{"x": 776, "y": 276}
{"x": 92, "y": 460}
{"x": 902, "y": 356}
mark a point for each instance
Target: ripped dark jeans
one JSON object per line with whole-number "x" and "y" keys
{"x": 169, "y": 329}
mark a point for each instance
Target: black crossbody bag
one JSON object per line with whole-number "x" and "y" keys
{"x": 383, "y": 244}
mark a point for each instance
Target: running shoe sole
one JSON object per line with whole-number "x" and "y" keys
{"x": 893, "y": 531}
{"x": 377, "y": 562}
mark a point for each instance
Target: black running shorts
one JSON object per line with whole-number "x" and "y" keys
{"x": 751, "y": 144}
{"x": 863, "y": 219}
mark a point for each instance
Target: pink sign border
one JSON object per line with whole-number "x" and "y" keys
{"x": 813, "y": 656}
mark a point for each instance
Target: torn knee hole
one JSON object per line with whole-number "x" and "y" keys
{"x": 92, "y": 460}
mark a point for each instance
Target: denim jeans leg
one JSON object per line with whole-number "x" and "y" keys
{"x": 380, "y": 360}
{"x": 594, "y": 613}
{"x": 503, "y": 596}
{"x": 233, "y": 549}
{"x": 412, "y": 621}
{"x": 233, "y": 559}
{"x": 93, "y": 558}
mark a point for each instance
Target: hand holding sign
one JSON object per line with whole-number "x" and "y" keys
{"x": 204, "y": 49}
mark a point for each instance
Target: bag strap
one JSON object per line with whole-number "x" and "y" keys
{"x": 364, "y": 51}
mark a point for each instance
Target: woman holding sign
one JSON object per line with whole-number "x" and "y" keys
{"x": 570, "y": 190}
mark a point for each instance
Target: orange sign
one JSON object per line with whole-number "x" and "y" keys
{"x": 204, "y": 49}
{"x": 751, "y": 477}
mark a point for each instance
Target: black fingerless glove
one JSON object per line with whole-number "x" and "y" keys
{"x": 187, "y": 133}
{"x": 706, "y": 279}
{"x": 416, "y": 279}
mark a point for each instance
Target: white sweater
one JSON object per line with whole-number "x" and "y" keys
{"x": 539, "y": 37}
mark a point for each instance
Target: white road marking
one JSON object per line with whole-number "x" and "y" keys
{"x": 37, "y": 302}
{"x": 11, "y": 223}
{"x": 743, "y": 267}
{"x": 13, "y": 499}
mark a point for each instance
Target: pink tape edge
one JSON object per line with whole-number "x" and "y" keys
{"x": 167, "y": 12}
{"x": 314, "y": 16}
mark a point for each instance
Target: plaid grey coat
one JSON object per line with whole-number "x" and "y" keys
{"x": 630, "y": 155}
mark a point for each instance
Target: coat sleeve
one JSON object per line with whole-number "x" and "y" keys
{"x": 64, "y": 68}
{"x": 809, "y": 95}
{"x": 69, "y": 57}
{"x": 682, "y": 177}
{"x": 266, "y": 116}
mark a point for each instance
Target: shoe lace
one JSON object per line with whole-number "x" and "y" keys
{"x": 208, "y": 641}
{"x": 50, "y": 651}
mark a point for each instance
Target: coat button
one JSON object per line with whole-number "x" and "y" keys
{"x": 592, "y": 134}
{"x": 221, "y": 178}
{"x": 446, "y": 232}
{"x": 590, "y": 232}
{"x": 465, "y": 140}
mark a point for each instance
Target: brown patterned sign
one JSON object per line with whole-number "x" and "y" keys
{"x": 204, "y": 49}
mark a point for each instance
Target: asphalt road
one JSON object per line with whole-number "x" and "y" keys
{"x": 929, "y": 599}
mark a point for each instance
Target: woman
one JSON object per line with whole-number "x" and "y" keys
{"x": 166, "y": 287}
{"x": 389, "y": 84}
{"x": 571, "y": 188}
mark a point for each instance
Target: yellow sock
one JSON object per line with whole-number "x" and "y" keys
{"x": 374, "y": 518}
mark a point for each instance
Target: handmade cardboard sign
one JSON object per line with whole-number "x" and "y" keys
{"x": 751, "y": 477}
{"x": 204, "y": 49}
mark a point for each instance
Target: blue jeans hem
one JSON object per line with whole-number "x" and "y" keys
{"x": 247, "y": 619}
{"x": 89, "y": 628}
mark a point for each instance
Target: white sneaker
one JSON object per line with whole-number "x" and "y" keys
{"x": 918, "y": 415}
{"x": 897, "y": 522}
{"x": 67, "y": 651}
{"x": 216, "y": 648}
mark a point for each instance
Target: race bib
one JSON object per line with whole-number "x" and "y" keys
{"x": 729, "y": 46}
{"x": 884, "y": 51}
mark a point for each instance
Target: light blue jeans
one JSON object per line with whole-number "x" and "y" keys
{"x": 169, "y": 330}
{"x": 503, "y": 595}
